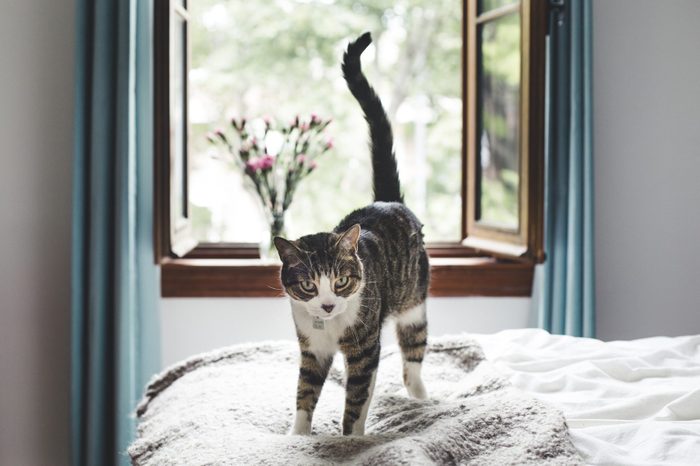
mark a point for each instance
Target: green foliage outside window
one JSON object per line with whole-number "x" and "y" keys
{"x": 282, "y": 58}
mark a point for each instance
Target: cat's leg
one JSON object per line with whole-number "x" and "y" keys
{"x": 361, "y": 363}
{"x": 312, "y": 374}
{"x": 412, "y": 333}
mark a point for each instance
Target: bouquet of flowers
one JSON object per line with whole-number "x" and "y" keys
{"x": 275, "y": 158}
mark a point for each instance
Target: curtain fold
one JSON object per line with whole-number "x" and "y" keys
{"x": 564, "y": 284}
{"x": 115, "y": 286}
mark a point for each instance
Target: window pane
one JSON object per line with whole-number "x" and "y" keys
{"x": 498, "y": 125}
{"x": 178, "y": 139}
{"x": 488, "y": 5}
{"x": 281, "y": 59}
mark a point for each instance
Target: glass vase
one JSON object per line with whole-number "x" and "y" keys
{"x": 268, "y": 251}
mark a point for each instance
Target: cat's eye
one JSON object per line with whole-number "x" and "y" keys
{"x": 341, "y": 282}
{"x": 307, "y": 285}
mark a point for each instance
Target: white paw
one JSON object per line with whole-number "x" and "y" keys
{"x": 302, "y": 424}
{"x": 416, "y": 389}
{"x": 359, "y": 428}
{"x": 413, "y": 382}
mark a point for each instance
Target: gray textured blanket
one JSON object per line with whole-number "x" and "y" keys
{"x": 235, "y": 405}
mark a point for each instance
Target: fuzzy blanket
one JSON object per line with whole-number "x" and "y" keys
{"x": 235, "y": 406}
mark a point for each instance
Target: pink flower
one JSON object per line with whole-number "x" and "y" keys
{"x": 252, "y": 165}
{"x": 267, "y": 161}
{"x": 301, "y": 159}
{"x": 315, "y": 119}
{"x": 329, "y": 144}
{"x": 312, "y": 166}
{"x": 256, "y": 164}
{"x": 304, "y": 127}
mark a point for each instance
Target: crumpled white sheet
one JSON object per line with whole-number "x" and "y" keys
{"x": 626, "y": 402}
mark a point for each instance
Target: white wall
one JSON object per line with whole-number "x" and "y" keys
{"x": 194, "y": 325}
{"x": 36, "y": 112}
{"x": 647, "y": 167}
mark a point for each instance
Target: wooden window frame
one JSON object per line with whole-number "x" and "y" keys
{"x": 478, "y": 266}
{"x": 172, "y": 225}
{"x": 526, "y": 243}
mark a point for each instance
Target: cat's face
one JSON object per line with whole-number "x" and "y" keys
{"x": 322, "y": 272}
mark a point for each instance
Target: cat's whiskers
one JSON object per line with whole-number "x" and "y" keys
{"x": 308, "y": 258}
{"x": 281, "y": 290}
{"x": 352, "y": 330}
{"x": 362, "y": 321}
{"x": 369, "y": 300}
{"x": 335, "y": 265}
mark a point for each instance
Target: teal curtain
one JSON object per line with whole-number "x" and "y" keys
{"x": 565, "y": 289}
{"x": 115, "y": 284}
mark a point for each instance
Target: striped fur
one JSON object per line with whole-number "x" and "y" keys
{"x": 343, "y": 285}
{"x": 313, "y": 371}
{"x": 385, "y": 172}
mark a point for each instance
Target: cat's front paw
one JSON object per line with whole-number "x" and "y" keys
{"x": 413, "y": 382}
{"x": 417, "y": 390}
{"x": 354, "y": 428}
{"x": 302, "y": 424}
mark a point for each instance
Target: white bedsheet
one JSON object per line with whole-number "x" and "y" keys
{"x": 626, "y": 402}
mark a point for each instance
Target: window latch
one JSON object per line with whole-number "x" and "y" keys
{"x": 556, "y": 10}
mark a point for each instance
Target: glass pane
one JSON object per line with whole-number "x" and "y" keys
{"x": 498, "y": 121}
{"x": 277, "y": 59}
{"x": 178, "y": 139}
{"x": 488, "y": 5}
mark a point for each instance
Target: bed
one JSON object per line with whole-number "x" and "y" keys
{"x": 515, "y": 397}
{"x": 625, "y": 402}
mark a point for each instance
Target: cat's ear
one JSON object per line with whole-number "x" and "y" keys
{"x": 348, "y": 240}
{"x": 289, "y": 253}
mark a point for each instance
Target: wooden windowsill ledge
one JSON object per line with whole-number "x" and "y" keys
{"x": 458, "y": 276}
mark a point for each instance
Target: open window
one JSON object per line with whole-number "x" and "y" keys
{"x": 504, "y": 123}
{"x": 482, "y": 201}
{"x": 172, "y": 129}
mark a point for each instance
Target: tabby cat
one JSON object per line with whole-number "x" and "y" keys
{"x": 344, "y": 284}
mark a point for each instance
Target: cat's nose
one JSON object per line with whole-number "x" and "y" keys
{"x": 328, "y": 307}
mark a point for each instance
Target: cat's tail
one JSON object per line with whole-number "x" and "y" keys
{"x": 386, "y": 177}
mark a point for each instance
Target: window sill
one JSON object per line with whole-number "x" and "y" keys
{"x": 458, "y": 276}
